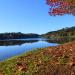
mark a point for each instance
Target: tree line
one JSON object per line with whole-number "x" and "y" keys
{"x": 18, "y": 35}
{"x": 62, "y": 32}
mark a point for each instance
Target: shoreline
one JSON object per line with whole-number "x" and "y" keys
{"x": 42, "y": 59}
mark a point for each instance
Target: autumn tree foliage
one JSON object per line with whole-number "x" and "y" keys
{"x": 61, "y": 7}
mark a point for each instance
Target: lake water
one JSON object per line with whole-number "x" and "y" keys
{"x": 10, "y": 48}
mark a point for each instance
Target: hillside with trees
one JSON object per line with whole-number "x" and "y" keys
{"x": 67, "y": 34}
{"x": 19, "y": 35}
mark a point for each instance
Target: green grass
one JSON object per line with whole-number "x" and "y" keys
{"x": 63, "y": 60}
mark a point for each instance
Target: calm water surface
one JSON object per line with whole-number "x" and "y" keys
{"x": 9, "y": 48}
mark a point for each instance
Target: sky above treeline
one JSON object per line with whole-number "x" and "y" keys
{"x": 30, "y": 16}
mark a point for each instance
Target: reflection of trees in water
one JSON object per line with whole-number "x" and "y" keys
{"x": 61, "y": 40}
{"x": 20, "y": 42}
{"x": 15, "y": 42}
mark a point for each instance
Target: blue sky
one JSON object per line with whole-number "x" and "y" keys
{"x": 30, "y": 16}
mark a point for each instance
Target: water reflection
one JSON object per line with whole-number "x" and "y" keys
{"x": 15, "y": 42}
{"x": 61, "y": 40}
{"x": 9, "y": 48}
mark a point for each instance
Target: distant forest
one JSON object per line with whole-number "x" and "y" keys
{"x": 67, "y": 34}
{"x": 18, "y": 35}
{"x": 61, "y": 33}
{"x": 53, "y": 35}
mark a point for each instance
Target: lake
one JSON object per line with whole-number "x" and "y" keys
{"x": 10, "y": 48}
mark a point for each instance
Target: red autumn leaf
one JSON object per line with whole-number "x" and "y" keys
{"x": 61, "y": 7}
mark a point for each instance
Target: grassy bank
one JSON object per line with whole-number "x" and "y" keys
{"x": 57, "y": 60}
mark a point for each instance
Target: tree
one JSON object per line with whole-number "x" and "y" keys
{"x": 61, "y": 7}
